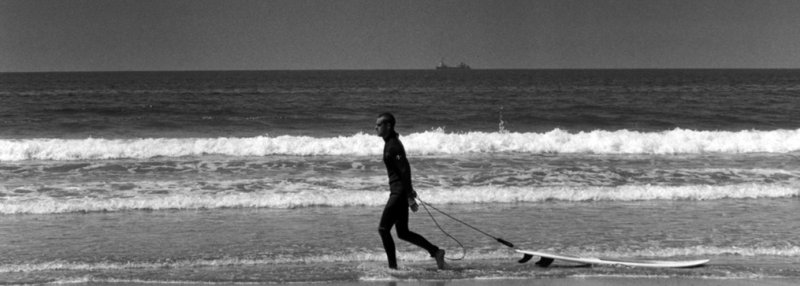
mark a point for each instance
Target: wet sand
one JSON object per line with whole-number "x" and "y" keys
{"x": 587, "y": 281}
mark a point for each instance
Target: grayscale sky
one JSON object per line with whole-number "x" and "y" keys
{"x": 111, "y": 35}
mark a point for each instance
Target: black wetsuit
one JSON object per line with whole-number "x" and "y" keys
{"x": 396, "y": 210}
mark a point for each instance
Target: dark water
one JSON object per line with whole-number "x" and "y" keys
{"x": 327, "y": 103}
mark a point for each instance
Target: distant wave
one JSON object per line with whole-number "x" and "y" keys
{"x": 436, "y": 142}
{"x": 302, "y": 196}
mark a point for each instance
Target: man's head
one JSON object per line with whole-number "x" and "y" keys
{"x": 384, "y": 126}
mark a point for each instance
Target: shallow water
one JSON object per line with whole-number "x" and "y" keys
{"x": 744, "y": 238}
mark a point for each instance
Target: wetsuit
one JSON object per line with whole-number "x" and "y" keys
{"x": 396, "y": 210}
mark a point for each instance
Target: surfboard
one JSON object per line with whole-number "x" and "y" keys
{"x": 547, "y": 258}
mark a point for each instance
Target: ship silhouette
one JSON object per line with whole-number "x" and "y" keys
{"x": 460, "y": 66}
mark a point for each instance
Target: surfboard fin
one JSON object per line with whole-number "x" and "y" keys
{"x": 525, "y": 258}
{"x": 544, "y": 262}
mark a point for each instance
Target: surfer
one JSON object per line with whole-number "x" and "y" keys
{"x": 401, "y": 196}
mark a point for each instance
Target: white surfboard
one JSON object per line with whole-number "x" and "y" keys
{"x": 598, "y": 261}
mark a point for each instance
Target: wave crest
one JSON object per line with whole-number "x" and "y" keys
{"x": 435, "y": 142}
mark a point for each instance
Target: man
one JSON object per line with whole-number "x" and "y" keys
{"x": 401, "y": 196}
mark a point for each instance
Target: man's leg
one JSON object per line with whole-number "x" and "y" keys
{"x": 384, "y": 229}
{"x": 405, "y": 234}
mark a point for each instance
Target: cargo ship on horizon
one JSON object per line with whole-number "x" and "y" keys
{"x": 460, "y": 66}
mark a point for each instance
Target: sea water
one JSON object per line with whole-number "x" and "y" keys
{"x": 270, "y": 177}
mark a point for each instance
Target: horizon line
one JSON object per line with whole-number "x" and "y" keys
{"x": 401, "y": 69}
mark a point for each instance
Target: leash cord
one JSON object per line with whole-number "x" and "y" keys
{"x": 458, "y": 220}
{"x": 463, "y": 249}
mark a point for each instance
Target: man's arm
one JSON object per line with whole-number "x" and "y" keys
{"x": 399, "y": 162}
{"x": 404, "y": 171}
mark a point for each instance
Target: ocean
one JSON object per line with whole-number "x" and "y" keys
{"x": 264, "y": 177}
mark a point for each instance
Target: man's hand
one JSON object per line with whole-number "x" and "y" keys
{"x": 412, "y": 203}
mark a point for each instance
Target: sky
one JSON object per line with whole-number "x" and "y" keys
{"x": 144, "y": 35}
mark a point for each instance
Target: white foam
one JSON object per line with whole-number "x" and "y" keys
{"x": 379, "y": 255}
{"x": 678, "y": 141}
{"x": 353, "y": 256}
{"x": 436, "y": 142}
{"x": 305, "y": 195}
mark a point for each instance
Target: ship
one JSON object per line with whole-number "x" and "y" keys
{"x": 461, "y": 66}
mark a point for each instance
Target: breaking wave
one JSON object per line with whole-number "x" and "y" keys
{"x": 435, "y": 142}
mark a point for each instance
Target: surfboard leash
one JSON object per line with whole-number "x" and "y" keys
{"x": 463, "y": 249}
{"x": 425, "y": 205}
